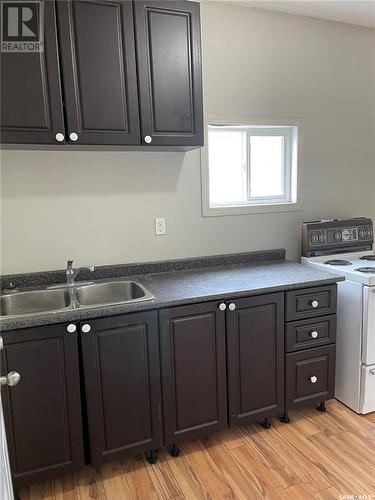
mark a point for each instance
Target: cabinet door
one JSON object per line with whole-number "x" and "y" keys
{"x": 169, "y": 65}
{"x": 122, "y": 381}
{"x": 255, "y": 341}
{"x": 99, "y": 70}
{"x": 193, "y": 371}
{"x": 31, "y": 101}
{"x": 43, "y": 412}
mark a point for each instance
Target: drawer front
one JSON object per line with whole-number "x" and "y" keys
{"x": 311, "y": 302}
{"x": 308, "y": 333}
{"x": 310, "y": 376}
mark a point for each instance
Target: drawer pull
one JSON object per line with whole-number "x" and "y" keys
{"x": 222, "y": 306}
{"x": 314, "y": 334}
{"x": 313, "y": 379}
{"x": 314, "y": 304}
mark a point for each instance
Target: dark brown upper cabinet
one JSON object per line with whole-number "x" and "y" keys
{"x": 43, "y": 411}
{"x": 99, "y": 71}
{"x": 255, "y": 343}
{"x": 193, "y": 371}
{"x": 113, "y": 73}
{"x": 169, "y": 65}
{"x": 31, "y": 98}
{"x": 122, "y": 383}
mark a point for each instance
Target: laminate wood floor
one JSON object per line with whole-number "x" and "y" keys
{"x": 318, "y": 455}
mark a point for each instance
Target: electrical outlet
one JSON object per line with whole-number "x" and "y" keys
{"x": 160, "y": 226}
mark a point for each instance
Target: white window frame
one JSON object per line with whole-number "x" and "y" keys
{"x": 291, "y": 200}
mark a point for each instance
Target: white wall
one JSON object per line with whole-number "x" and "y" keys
{"x": 98, "y": 207}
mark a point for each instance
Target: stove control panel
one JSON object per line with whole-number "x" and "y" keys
{"x": 332, "y": 236}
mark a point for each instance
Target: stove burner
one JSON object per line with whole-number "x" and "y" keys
{"x": 368, "y": 257}
{"x": 338, "y": 262}
{"x": 369, "y": 270}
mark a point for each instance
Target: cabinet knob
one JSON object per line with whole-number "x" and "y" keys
{"x": 11, "y": 379}
{"x": 86, "y": 328}
{"x": 148, "y": 139}
{"x": 313, "y": 379}
{"x": 59, "y": 137}
{"x": 72, "y": 328}
{"x": 232, "y": 306}
{"x": 314, "y": 304}
{"x": 222, "y": 306}
{"x": 314, "y": 334}
{"x": 73, "y": 136}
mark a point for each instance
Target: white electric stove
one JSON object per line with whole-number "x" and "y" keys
{"x": 345, "y": 247}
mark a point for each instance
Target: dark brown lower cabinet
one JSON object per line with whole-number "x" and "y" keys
{"x": 193, "y": 371}
{"x": 122, "y": 383}
{"x": 150, "y": 383}
{"x": 43, "y": 411}
{"x": 310, "y": 376}
{"x": 255, "y": 342}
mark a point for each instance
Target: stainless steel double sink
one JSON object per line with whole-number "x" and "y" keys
{"x": 62, "y": 297}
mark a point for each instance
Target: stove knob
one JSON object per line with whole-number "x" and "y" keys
{"x": 337, "y": 236}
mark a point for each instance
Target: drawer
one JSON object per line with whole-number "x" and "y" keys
{"x": 308, "y": 333}
{"x": 311, "y": 302}
{"x": 310, "y": 376}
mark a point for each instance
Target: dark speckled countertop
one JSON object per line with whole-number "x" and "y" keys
{"x": 218, "y": 278}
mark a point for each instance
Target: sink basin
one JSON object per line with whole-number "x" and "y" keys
{"x": 33, "y": 302}
{"x": 117, "y": 292}
{"x": 30, "y": 302}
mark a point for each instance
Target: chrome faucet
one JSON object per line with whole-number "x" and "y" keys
{"x": 72, "y": 273}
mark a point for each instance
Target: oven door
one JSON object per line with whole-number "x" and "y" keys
{"x": 368, "y": 334}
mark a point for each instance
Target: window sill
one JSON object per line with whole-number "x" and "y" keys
{"x": 250, "y": 209}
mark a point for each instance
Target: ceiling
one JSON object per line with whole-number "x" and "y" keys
{"x": 358, "y": 12}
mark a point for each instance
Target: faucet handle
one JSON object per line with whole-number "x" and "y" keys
{"x": 69, "y": 264}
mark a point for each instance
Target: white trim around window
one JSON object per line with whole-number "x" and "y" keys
{"x": 290, "y": 129}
